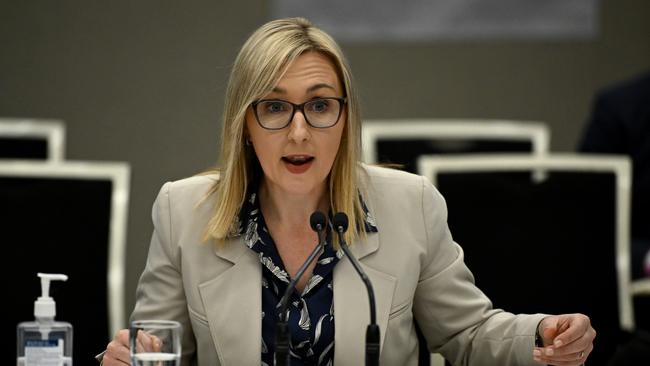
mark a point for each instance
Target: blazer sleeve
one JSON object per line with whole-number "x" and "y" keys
{"x": 456, "y": 317}
{"x": 160, "y": 293}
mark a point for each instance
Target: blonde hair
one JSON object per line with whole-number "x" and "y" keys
{"x": 260, "y": 64}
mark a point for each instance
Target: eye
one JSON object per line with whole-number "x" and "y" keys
{"x": 319, "y": 105}
{"x": 274, "y": 106}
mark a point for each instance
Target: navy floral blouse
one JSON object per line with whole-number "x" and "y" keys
{"x": 311, "y": 313}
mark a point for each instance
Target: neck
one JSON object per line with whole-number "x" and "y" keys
{"x": 279, "y": 206}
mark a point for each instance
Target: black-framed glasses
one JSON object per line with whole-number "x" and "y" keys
{"x": 276, "y": 114}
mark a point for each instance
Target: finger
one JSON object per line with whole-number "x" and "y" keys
{"x": 548, "y": 334}
{"x": 547, "y": 328}
{"x": 156, "y": 343}
{"x": 118, "y": 352}
{"x": 110, "y": 361}
{"x": 122, "y": 337}
{"x": 562, "y": 325}
{"x": 140, "y": 339}
{"x": 577, "y": 346}
{"x": 567, "y": 358}
{"x": 577, "y": 326}
{"x": 559, "y": 363}
{"x": 146, "y": 340}
{"x": 139, "y": 348}
{"x": 551, "y": 361}
{"x": 578, "y": 358}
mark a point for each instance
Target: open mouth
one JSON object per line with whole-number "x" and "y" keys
{"x": 297, "y": 160}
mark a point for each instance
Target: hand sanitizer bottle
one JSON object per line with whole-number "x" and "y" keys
{"x": 45, "y": 342}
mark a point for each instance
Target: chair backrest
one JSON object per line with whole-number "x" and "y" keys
{"x": 401, "y": 141}
{"x": 32, "y": 139}
{"x": 65, "y": 218}
{"x": 556, "y": 246}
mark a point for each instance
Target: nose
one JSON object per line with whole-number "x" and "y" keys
{"x": 299, "y": 128}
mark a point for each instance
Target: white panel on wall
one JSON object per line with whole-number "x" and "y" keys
{"x": 422, "y": 20}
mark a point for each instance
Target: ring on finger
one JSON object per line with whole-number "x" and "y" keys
{"x": 581, "y": 355}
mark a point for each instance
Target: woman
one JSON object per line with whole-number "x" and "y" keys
{"x": 225, "y": 245}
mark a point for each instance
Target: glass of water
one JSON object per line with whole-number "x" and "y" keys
{"x": 155, "y": 343}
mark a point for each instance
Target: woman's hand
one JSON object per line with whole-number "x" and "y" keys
{"x": 568, "y": 340}
{"x": 118, "y": 353}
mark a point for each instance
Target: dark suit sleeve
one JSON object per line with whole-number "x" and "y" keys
{"x": 605, "y": 131}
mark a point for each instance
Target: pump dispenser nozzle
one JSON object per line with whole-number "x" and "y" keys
{"x": 44, "y": 306}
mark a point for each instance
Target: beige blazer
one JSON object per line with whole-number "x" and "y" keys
{"x": 416, "y": 269}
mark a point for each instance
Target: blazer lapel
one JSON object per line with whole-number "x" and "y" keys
{"x": 233, "y": 303}
{"x": 351, "y": 308}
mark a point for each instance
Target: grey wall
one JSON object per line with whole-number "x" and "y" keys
{"x": 143, "y": 81}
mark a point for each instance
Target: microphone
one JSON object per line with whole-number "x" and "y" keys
{"x": 340, "y": 222}
{"x": 317, "y": 223}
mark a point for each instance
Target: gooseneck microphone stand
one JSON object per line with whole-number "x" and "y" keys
{"x": 317, "y": 222}
{"x": 340, "y": 222}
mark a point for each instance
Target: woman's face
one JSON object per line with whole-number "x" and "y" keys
{"x": 298, "y": 158}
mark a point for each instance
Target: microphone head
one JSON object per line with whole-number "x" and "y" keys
{"x": 317, "y": 221}
{"x": 340, "y": 221}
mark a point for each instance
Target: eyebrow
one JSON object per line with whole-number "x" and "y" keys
{"x": 309, "y": 90}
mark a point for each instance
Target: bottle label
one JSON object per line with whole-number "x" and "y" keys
{"x": 47, "y": 352}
